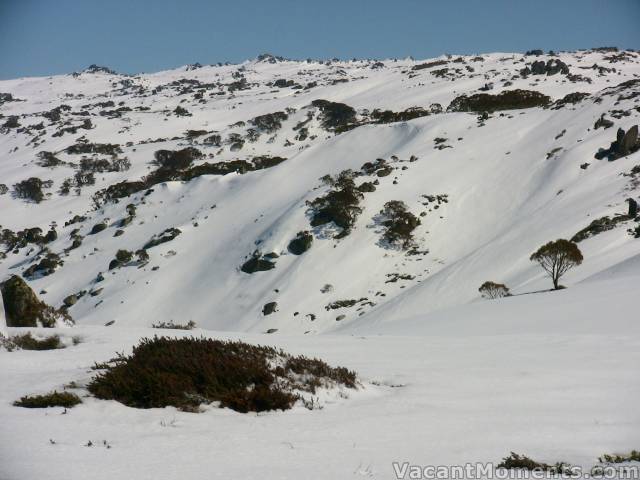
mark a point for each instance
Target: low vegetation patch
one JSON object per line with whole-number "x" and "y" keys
{"x": 28, "y": 342}
{"x": 188, "y": 372}
{"x": 335, "y": 116}
{"x": 633, "y": 456}
{"x": 599, "y": 225}
{"x": 341, "y": 205}
{"x": 522, "y": 462}
{"x": 53, "y": 399}
{"x": 190, "y": 325}
{"x": 399, "y": 224}
{"x": 507, "y": 100}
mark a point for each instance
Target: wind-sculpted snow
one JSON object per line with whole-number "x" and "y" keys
{"x": 489, "y": 157}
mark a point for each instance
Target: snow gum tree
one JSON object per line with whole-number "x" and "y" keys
{"x": 556, "y": 258}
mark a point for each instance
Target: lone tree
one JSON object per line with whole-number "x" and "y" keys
{"x": 491, "y": 290}
{"x": 556, "y": 258}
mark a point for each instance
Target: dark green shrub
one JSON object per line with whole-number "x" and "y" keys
{"x": 341, "y": 205}
{"x": 257, "y": 263}
{"x": 634, "y": 456}
{"x": 187, "y": 372}
{"x": 177, "y": 159}
{"x": 164, "y": 237}
{"x": 334, "y": 115}
{"x": 28, "y": 342}
{"x": 269, "y": 122}
{"x": 53, "y": 399}
{"x": 507, "y": 100}
{"x": 31, "y": 189}
{"x": 400, "y": 224}
{"x": 515, "y": 461}
{"x": 301, "y": 243}
{"x": 124, "y": 256}
{"x": 597, "y": 226}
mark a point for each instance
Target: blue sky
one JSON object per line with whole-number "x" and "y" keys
{"x": 39, "y": 37}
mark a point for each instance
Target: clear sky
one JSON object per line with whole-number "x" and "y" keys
{"x": 43, "y": 37}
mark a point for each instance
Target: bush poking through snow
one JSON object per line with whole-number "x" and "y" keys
{"x": 53, "y": 399}
{"x": 28, "y": 342}
{"x": 31, "y": 189}
{"x": 522, "y": 462}
{"x": 400, "y": 224}
{"x": 188, "y": 372}
{"x": 301, "y": 243}
{"x": 491, "y": 290}
{"x": 190, "y": 325}
{"x": 164, "y": 237}
{"x": 634, "y": 456}
{"x": 556, "y": 258}
{"x": 507, "y": 100}
{"x": 340, "y": 205}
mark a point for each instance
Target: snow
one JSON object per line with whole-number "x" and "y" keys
{"x": 448, "y": 378}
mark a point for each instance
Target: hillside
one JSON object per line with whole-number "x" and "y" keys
{"x": 485, "y": 177}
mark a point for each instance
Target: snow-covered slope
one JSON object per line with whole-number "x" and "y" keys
{"x": 488, "y": 190}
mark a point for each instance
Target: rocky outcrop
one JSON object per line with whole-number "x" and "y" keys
{"x": 22, "y": 307}
{"x": 551, "y": 67}
{"x": 625, "y": 144}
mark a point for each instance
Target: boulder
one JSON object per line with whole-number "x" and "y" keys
{"x": 269, "y": 308}
{"x": 22, "y": 307}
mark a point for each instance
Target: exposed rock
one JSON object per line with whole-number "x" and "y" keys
{"x": 602, "y": 122}
{"x": 551, "y": 67}
{"x": 164, "y": 237}
{"x": 23, "y": 309}
{"x": 625, "y": 144}
{"x": 70, "y": 300}
{"x": 269, "y": 308}
{"x": 257, "y": 264}
{"x": 633, "y": 208}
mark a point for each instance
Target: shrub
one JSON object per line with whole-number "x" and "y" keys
{"x": 634, "y": 456}
{"x": 187, "y": 372}
{"x": 44, "y": 267}
{"x": 334, "y": 115}
{"x": 28, "y": 342}
{"x": 31, "y": 189}
{"x": 164, "y": 237}
{"x": 507, "y": 100}
{"x": 389, "y": 116}
{"x": 269, "y": 122}
{"x": 257, "y": 263}
{"x": 124, "y": 256}
{"x": 301, "y": 243}
{"x": 491, "y": 290}
{"x": 53, "y": 399}
{"x": 190, "y": 325}
{"x": 556, "y": 258}
{"x": 177, "y": 159}
{"x": 515, "y": 461}
{"x": 400, "y": 224}
{"x": 341, "y": 205}
{"x": 597, "y": 226}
